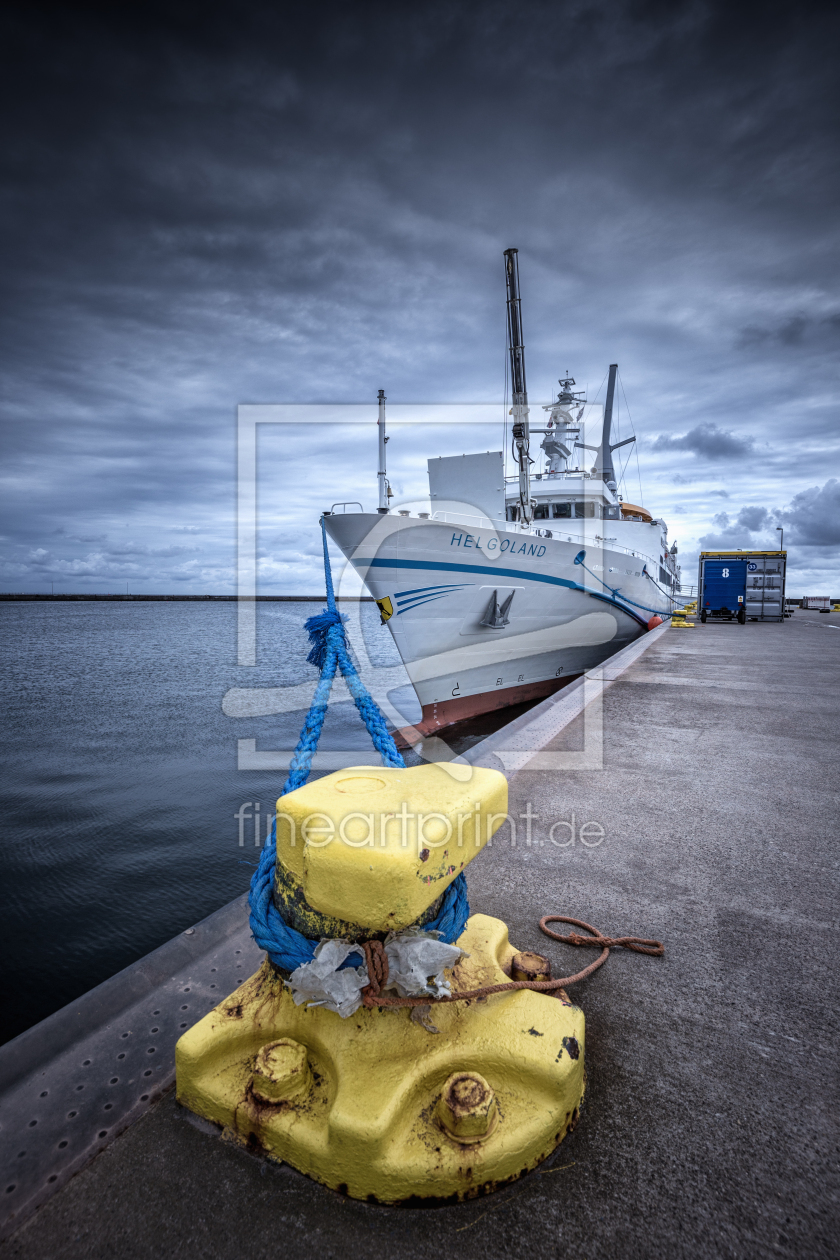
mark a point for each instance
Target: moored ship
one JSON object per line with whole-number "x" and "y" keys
{"x": 508, "y": 588}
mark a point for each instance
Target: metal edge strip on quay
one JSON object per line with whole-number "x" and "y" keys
{"x": 72, "y": 1083}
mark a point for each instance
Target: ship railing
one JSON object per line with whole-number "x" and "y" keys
{"x": 462, "y": 518}
{"x": 573, "y": 473}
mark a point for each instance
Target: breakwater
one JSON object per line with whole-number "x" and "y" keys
{"x": 13, "y": 597}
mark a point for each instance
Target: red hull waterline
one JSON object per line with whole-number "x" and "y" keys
{"x": 443, "y": 713}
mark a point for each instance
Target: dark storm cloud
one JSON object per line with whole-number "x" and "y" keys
{"x": 810, "y": 521}
{"x": 753, "y": 518}
{"x": 748, "y": 521}
{"x": 207, "y": 205}
{"x": 796, "y": 331}
{"x": 814, "y": 515}
{"x": 708, "y": 441}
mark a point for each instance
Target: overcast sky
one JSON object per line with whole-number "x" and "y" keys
{"x": 208, "y": 206}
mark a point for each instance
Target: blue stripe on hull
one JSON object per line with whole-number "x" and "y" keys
{"x": 449, "y": 567}
{"x": 429, "y": 590}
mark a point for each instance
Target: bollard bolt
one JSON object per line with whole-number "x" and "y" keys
{"x": 528, "y": 966}
{"x": 281, "y": 1071}
{"x": 467, "y": 1108}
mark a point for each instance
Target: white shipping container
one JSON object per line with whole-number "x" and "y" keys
{"x": 821, "y": 602}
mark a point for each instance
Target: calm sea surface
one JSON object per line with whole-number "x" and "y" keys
{"x": 120, "y": 780}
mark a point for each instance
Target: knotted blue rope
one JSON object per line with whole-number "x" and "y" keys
{"x": 286, "y": 947}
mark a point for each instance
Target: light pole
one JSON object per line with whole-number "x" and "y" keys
{"x": 779, "y": 530}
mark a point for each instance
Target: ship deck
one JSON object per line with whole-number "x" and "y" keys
{"x": 710, "y": 1123}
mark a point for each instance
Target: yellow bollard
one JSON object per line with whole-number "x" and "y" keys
{"x": 370, "y": 850}
{"x": 382, "y": 1105}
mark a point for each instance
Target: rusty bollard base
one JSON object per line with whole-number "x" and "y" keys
{"x": 379, "y": 1107}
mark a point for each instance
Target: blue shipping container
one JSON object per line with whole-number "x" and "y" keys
{"x": 724, "y": 586}
{"x": 749, "y": 585}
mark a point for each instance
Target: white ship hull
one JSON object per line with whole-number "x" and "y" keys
{"x": 435, "y": 580}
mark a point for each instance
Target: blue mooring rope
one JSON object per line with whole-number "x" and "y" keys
{"x": 615, "y": 591}
{"x": 286, "y": 947}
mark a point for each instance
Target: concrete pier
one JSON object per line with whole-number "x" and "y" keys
{"x": 705, "y": 769}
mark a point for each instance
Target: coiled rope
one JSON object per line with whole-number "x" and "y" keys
{"x": 377, "y": 961}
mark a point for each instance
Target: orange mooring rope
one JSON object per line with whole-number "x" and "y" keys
{"x": 377, "y": 966}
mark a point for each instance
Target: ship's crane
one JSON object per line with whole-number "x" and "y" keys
{"x": 521, "y": 433}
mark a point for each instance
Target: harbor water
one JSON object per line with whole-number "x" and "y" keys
{"x": 120, "y": 784}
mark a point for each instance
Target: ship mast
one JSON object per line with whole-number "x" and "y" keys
{"x": 521, "y": 433}
{"x": 607, "y": 469}
{"x": 381, "y": 476}
{"x": 606, "y": 460}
